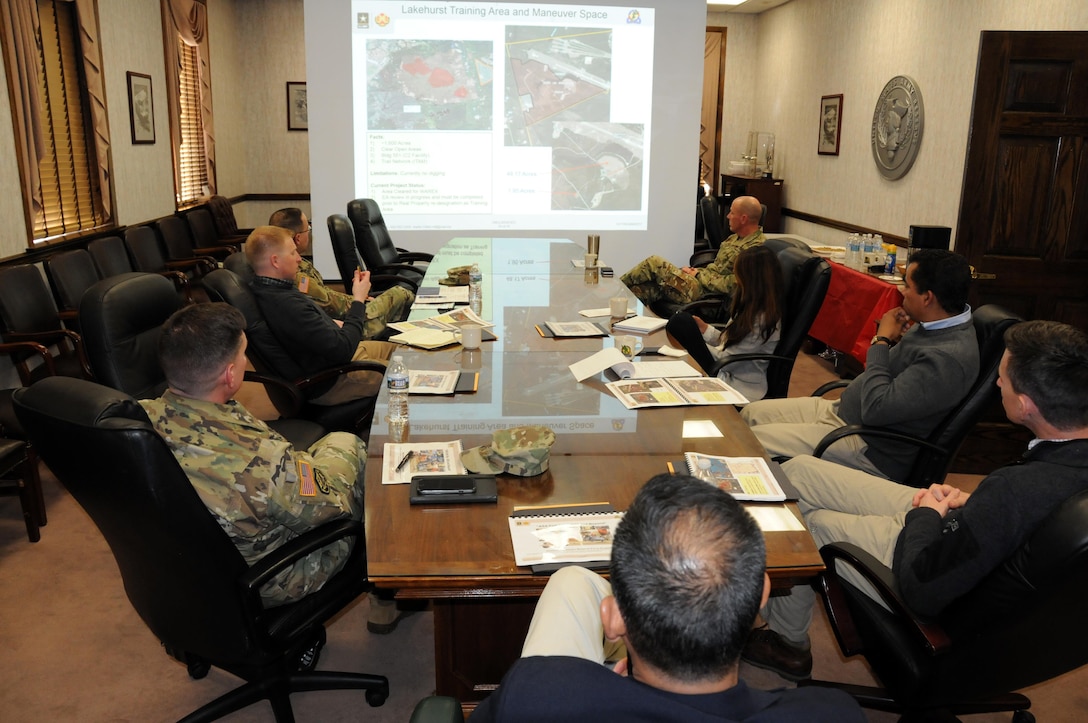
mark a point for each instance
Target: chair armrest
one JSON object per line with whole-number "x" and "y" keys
{"x": 410, "y": 256}
{"x": 181, "y": 283}
{"x": 392, "y": 269}
{"x": 702, "y": 258}
{"x": 737, "y": 358}
{"x": 216, "y": 251}
{"x": 55, "y": 336}
{"x": 68, "y": 314}
{"x": 294, "y": 550}
{"x": 828, "y": 386}
{"x": 292, "y": 390}
{"x": 882, "y": 432}
{"x": 713, "y": 302}
{"x": 437, "y": 709}
{"x": 199, "y": 264}
{"x": 333, "y": 372}
{"x": 31, "y": 347}
{"x": 929, "y": 633}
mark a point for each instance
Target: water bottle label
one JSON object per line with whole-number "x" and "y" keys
{"x": 397, "y": 384}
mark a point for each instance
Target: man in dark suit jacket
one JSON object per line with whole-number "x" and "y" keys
{"x": 688, "y": 577}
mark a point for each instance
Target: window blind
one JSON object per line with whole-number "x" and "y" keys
{"x": 193, "y": 173}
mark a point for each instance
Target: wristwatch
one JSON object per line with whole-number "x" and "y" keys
{"x": 884, "y": 339}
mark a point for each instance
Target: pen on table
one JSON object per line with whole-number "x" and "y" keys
{"x": 404, "y": 461}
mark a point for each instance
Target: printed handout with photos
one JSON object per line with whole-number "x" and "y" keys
{"x": 563, "y": 538}
{"x": 420, "y": 458}
{"x": 746, "y": 478}
{"x": 450, "y": 321}
{"x": 637, "y": 393}
{"x": 422, "y": 381}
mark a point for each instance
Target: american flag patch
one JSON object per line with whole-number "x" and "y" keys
{"x": 306, "y": 485}
{"x": 304, "y": 284}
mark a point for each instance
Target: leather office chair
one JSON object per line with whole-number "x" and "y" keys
{"x": 288, "y": 388}
{"x": 711, "y": 219}
{"x": 148, "y": 255}
{"x": 342, "y": 235}
{"x": 181, "y": 571}
{"x": 806, "y": 278}
{"x": 110, "y": 256}
{"x": 376, "y": 245}
{"x": 31, "y": 325}
{"x": 206, "y": 236}
{"x": 17, "y": 479}
{"x": 937, "y": 450}
{"x": 223, "y": 215}
{"x": 180, "y": 245}
{"x": 780, "y": 242}
{"x": 437, "y": 709}
{"x": 1022, "y": 625}
{"x": 70, "y": 274}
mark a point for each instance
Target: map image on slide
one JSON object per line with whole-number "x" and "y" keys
{"x": 558, "y": 85}
{"x": 429, "y": 84}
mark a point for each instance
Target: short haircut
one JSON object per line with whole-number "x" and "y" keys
{"x": 749, "y": 206}
{"x": 687, "y": 573}
{"x": 265, "y": 241}
{"x": 196, "y": 344}
{"x": 946, "y": 274}
{"x": 1048, "y": 361}
{"x": 288, "y": 218}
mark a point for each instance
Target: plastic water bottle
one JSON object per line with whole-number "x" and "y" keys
{"x": 866, "y": 251}
{"x": 853, "y": 251}
{"x": 475, "y": 290}
{"x": 878, "y": 251}
{"x": 396, "y": 380}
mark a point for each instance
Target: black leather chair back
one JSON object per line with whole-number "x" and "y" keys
{"x": 371, "y": 235}
{"x": 121, "y": 318}
{"x": 145, "y": 248}
{"x": 780, "y": 242}
{"x": 223, "y": 215}
{"x": 26, "y": 304}
{"x": 202, "y": 227}
{"x": 238, "y": 263}
{"x": 71, "y": 273}
{"x": 806, "y": 278}
{"x": 930, "y": 467}
{"x": 180, "y": 569}
{"x": 110, "y": 256}
{"x": 342, "y": 234}
{"x": 712, "y": 223}
{"x": 176, "y": 238}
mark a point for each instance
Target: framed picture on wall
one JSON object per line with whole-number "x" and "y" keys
{"x": 830, "y": 125}
{"x": 298, "y": 117}
{"x": 141, "y": 110}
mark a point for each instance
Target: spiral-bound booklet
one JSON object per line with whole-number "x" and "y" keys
{"x": 569, "y": 533}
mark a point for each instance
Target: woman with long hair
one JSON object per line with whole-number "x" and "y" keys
{"x": 755, "y": 322}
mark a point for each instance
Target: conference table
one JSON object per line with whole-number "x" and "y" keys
{"x": 460, "y": 557}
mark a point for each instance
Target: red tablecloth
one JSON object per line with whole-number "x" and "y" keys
{"x": 853, "y": 303}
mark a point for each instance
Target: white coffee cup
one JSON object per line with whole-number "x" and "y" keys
{"x": 628, "y": 345}
{"x": 617, "y": 306}
{"x": 470, "y": 336}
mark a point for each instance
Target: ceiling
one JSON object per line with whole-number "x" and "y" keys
{"x": 747, "y": 6}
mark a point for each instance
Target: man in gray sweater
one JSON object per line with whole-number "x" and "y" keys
{"x": 922, "y": 361}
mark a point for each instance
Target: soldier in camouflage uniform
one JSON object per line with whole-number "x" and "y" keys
{"x": 262, "y": 491}
{"x": 655, "y": 278}
{"x": 390, "y": 305}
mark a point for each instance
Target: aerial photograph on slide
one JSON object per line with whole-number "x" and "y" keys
{"x": 429, "y": 84}
{"x": 558, "y": 84}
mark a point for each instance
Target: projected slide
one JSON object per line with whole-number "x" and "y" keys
{"x": 502, "y": 115}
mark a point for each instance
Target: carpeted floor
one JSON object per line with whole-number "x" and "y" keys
{"x": 73, "y": 649}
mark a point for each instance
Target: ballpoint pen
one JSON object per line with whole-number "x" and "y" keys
{"x": 404, "y": 461}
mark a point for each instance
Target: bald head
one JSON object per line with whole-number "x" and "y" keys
{"x": 271, "y": 252}
{"x": 744, "y": 215}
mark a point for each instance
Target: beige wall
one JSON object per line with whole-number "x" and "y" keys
{"x": 809, "y": 48}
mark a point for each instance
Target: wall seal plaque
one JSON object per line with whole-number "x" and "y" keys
{"x": 897, "y": 127}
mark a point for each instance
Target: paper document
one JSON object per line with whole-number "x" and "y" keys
{"x": 640, "y": 324}
{"x": 421, "y": 381}
{"x": 606, "y": 311}
{"x": 420, "y": 458}
{"x": 638, "y": 393}
{"x": 774, "y": 518}
{"x": 746, "y": 478}
{"x": 564, "y": 537}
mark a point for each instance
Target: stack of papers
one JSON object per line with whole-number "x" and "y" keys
{"x": 613, "y": 360}
{"x": 638, "y": 393}
{"x": 640, "y": 324}
{"x": 421, "y": 458}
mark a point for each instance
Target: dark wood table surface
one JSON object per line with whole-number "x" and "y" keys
{"x": 460, "y": 556}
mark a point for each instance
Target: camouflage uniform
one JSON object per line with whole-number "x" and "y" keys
{"x": 390, "y": 305}
{"x": 655, "y": 278}
{"x": 248, "y": 477}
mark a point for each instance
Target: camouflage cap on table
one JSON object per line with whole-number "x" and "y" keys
{"x": 457, "y": 276}
{"x": 523, "y": 451}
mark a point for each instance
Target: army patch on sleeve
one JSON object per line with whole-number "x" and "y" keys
{"x": 304, "y": 284}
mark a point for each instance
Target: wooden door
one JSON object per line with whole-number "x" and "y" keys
{"x": 1024, "y": 211}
